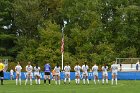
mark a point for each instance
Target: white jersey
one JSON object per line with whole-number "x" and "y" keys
{"x": 67, "y": 68}
{"x": 77, "y": 69}
{"x": 104, "y": 69}
{"x": 57, "y": 69}
{"x": 114, "y": 67}
{"x": 29, "y": 68}
{"x": 36, "y": 69}
{"x": 18, "y": 68}
{"x": 11, "y": 72}
{"x": 95, "y": 68}
{"x": 85, "y": 68}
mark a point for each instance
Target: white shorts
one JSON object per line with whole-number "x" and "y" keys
{"x": 85, "y": 73}
{"x": 29, "y": 74}
{"x": 67, "y": 73}
{"x": 18, "y": 73}
{"x": 36, "y": 74}
{"x": 57, "y": 73}
{"x": 77, "y": 73}
{"x": 105, "y": 74}
{"x": 114, "y": 72}
{"x": 95, "y": 73}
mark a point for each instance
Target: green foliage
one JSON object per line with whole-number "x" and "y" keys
{"x": 97, "y": 31}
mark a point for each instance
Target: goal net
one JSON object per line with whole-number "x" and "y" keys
{"x": 127, "y": 64}
{"x": 5, "y": 61}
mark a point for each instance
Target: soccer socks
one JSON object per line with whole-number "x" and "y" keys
{"x": 56, "y": 82}
{"x": 49, "y": 81}
{"x": 103, "y": 81}
{"x": 1, "y": 81}
{"x": 76, "y": 80}
{"x": 38, "y": 81}
{"x": 83, "y": 81}
{"x": 30, "y": 81}
{"x": 69, "y": 80}
{"x": 59, "y": 82}
{"x": 94, "y": 81}
{"x": 20, "y": 81}
{"x": 26, "y": 81}
{"x": 87, "y": 81}
{"x": 44, "y": 81}
{"x": 65, "y": 80}
{"x": 112, "y": 81}
{"x": 107, "y": 81}
{"x": 116, "y": 80}
{"x": 16, "y": 81}
{"x": 98, "y": 81}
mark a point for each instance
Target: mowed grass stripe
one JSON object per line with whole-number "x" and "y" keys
{"x": 127, "y": 86}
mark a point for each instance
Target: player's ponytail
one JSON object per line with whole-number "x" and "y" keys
{"x": 85, "y": 63}
{"x": 37, "y": 66}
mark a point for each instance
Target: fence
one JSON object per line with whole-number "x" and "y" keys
{"x": 121, "y": 75}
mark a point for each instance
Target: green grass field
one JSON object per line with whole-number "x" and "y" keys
{"x": 124, "y": 86}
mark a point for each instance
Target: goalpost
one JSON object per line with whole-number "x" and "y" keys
{"x": 127, "y": 60}
{"x": 5, "y": 62}
{"x": 127, "y": 64}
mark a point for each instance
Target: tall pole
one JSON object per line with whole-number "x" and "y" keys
{"x": 62, "y": 43}
{"x": 62, "y": 47}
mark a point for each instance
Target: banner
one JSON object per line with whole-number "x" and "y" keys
{"x": 121, "y": 75}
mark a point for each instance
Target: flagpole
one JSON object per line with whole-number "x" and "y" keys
{"x": 62, "y": 45}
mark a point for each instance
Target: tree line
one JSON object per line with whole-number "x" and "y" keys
{"x": 97, "y": 31}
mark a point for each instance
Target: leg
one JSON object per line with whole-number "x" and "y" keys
{"x": 30, "y": 79}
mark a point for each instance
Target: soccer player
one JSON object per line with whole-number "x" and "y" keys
{"x": 1, "y": 71}
{"x": 104, "y": 73}
{"x": 114, "y": 70}
{"x": 18, "y": 69}
{"x": 67, "y": 69}
{"x": 95, "y": 73}
{"x": 77, "y": 69}
{"x": 47, "y": 73}
{"x": 57, "y": 74}
{"x": 11, "y": 74}
{"x": 53, "y": 75}
{"x": 85, "y": 72}
{"x": 37, "y": 74}
{"x": 29, "y": 73}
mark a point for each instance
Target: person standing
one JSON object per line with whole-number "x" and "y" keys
{"x": 137, "y": 66}
{"x": 18, "y": 69}
{"x": 37, "y": 74}
{"x": 104, "y": 73}
{"x": 120, "y": 67}
{"x": 11, "y": 74}
{"x": 47, "y": 73}
{"x": 57, "y": 74}
{"x": 1, "y": 71}
{"x": 77, "y": 69}
{"x": 114, "y": 70}
{"x": 67, "y": 69}
{"x": 85, "y": 72}
{"x": 95, "y": 73}
{"x": 29, "y": 73}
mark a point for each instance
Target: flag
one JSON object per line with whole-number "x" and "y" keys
{"x": 62, "y": 45}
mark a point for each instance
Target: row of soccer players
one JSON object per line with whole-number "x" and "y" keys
{"x": 67, "y": 68}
